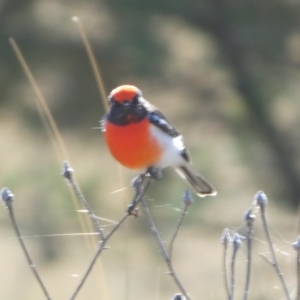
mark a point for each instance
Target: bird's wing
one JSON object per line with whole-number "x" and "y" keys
{"x": 158, "y": 119}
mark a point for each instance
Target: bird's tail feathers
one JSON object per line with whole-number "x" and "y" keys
{"x": 201, "y": 186}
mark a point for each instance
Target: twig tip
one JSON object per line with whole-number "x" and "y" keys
{"x": 249, "y": 217}
{"x": 178, "y": 297}
{"x": 187, "y": 198}
{"x": 225, "y": 237}
{"x": 260, "y": 199}
{"x": 7, "y": 197}
{"x": 67, "y": 171}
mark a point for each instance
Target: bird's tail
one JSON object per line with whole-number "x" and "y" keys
{"x": 201, "y": 186}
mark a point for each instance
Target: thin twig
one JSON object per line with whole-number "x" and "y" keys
{"x": 140, "y": 191}
{"x": 225, "y": 271}
{"x": 67, "y": 172}
{"x": 249, "y": 217}
{"x": 236, "y": 245}
{"x": 174, "y": 235}
{"x": 266, "y": 259}
{"x": 296, "y": 246}
{"x": 298, "y": 275}
{"x": 97, "y": 226}
{"x": 249, "y": 260}
{"x": 8, "y": 198}
{"x": 272, "y": 251}
{"x": 261, "y": 200}
{"x": 30, "y": 261}
{"x": 226, "y": 241}
{"x": 232, "y": 285}
{"x": 163, "y": 249}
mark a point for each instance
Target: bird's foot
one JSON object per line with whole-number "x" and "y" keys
{"x": 155, "y": 173}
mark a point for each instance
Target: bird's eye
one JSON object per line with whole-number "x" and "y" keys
{"x": 135, "y": 99}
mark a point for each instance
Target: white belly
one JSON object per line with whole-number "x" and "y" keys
{"x": 172, "y": 148}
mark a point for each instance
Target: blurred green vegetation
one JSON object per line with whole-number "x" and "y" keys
{"x": 238, "y": 62}
{"x": 226, "y": 72}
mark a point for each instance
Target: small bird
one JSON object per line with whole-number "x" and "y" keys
{"x": 140, "y": 137}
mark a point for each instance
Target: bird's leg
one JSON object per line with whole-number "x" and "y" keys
{"x": 155, "y": 172}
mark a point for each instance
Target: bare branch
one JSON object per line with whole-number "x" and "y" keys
{"x": 163, "y": 250}
{"x": 296, "y": 246}
{"x": 225, "y": 240}
{"x": 8, "y": 199}
{"x": 236, "y": 246}
{"x": 249, "y": 218}
{"x": 187, "y": 201}
{"x": 261, "y": 200}
{"x": 67, "y": 172}
{"x": 141, "y": 188}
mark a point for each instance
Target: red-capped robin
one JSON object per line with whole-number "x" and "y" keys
{"x": 140, "y": 137}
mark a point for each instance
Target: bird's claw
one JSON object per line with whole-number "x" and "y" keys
{"x": 155, "y": 173}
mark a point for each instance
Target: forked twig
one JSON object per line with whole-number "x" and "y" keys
{"x": 141, "y": 187}
{"x": 187, "y": 201}
{"x": 163, "y": 250}
{"x": 8, "y": 199}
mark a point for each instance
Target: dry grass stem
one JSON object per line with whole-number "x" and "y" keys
{"x": 92, "y": 59}
{"x": 41, "y": 104}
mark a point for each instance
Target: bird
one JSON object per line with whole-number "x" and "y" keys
{"x": 140, "y": 137}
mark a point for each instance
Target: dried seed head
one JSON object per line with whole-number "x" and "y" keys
{"x": 178, "y": 297}
{"x": 237, "y": 241}
{"x": 7, "y": 197}
{"x": 296, "y": 245}
{"x": 249, "y": 217}
{"x": 187, "y": 198}
{"x": 260, "y": 199}
{"x": 225, "y": 237}
{"x": 67, "y": 171}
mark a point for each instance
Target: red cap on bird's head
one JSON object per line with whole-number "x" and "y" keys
{"x": 124, "y": 93}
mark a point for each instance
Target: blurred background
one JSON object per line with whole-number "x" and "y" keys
{"x": 226, "y": 73}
